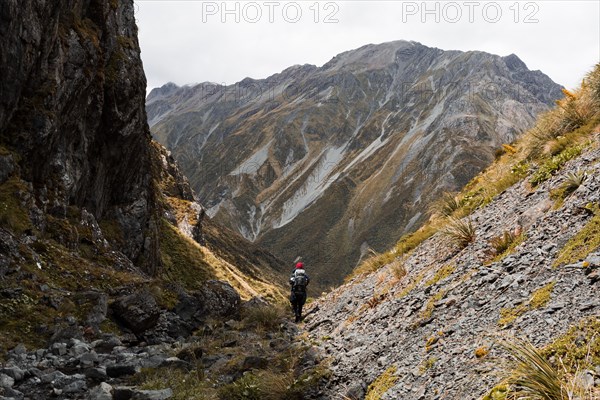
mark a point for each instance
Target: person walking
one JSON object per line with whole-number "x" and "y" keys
{"x": 298, "y": 282}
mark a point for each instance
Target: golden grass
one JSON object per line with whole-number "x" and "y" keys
{"x": 582, "y": 244}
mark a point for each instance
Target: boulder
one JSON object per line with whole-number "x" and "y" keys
{"x": 138, "y": 311}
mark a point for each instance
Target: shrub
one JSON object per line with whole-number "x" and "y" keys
{"x": 460, "y": 232}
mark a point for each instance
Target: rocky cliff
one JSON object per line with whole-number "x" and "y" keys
{"x": 521, "y": 262}
{"x": 328, "y": 163}
{"x": 104, "y": 251}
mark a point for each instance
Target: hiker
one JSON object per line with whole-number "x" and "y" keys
{"x": 298, "y": 281}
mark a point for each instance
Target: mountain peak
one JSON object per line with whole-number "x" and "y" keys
{"x": 514, "y": 63}
{"x": 371, "y": 56}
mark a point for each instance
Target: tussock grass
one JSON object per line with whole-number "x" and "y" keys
{"x": 461, "y": 232}
{"x": 446, "y": 205}
{"x": 573, "y": 181}
{"x": 505, "y": 243}
{"x": 532, "y": 376}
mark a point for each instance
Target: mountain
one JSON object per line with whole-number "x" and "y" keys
{"x": 330, "y": 162}
{"x": 500, "y": 299}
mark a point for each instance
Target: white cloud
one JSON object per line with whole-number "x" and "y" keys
{"x": 177, "y": 45}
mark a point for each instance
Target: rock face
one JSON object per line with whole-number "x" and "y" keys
{"x": 72, "y": 99}
{"x": 429, "y": 325}
{"x": 327, "y": 162}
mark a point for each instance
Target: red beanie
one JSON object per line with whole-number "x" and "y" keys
{"x": 299, "y": 265}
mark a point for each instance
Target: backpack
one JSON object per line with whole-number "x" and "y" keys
{"x": 300, "y": 282}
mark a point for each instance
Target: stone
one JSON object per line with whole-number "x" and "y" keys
{"x": 138, "y": 311}
{"x": 101, "y": 392}
{"x": 11, "y": 394}
{"x": 52, "y": 376}
{"x": 6, "y": 381}
{"x": 120, "y": 370}
{"x": 97, "y": 374}
{"x": 87, "y": 360}
{"x": 75, "y": 386}
{"x": 176, "y": 363}
{"x": 152, "y": 394}
{"x": 14, "y": 372}
{"x": 356, "y": 390}
{"x": 7, "y": 167}
{"x": 59, "y": 349}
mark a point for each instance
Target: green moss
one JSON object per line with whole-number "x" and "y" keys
{"x": 538, "y": 299}
{"x": 555, "y": 163}
{"x": 430, "y": 305}
{"x": 428, "y": 364}
{"x": 114, "y": 66}
{"x": 578, "y": 349}
{"x": 541, "y": 297}
{"x": 382, "y": 384}
{"x": 112, "y": 231}
{"x": 583, "y": 243}
{"x": 87, "y": 31}
{"x": 165, "y": 296}
{"x": 497, "y": 393}
{"x": 440, "y": 274}
{"x": 13, "y": 215}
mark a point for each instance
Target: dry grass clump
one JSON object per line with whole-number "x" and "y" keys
{"x": 263, "y": 318}
{"x": 461, "y": 232}
{"x": 505, "y": 243}
{"x": 532, "y": 376}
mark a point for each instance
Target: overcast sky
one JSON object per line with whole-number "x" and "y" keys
{"x": 196, "y": 41}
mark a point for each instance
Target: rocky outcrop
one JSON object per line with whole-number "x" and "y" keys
{"x": 326, "y": 163}
{"x": 73, "y": 100}
{"x": 436, "y": 326}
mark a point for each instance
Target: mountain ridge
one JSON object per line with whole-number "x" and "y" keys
{"x": 308, "y": 134}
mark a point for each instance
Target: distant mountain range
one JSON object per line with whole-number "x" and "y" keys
{"x": 329, "y": 162}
